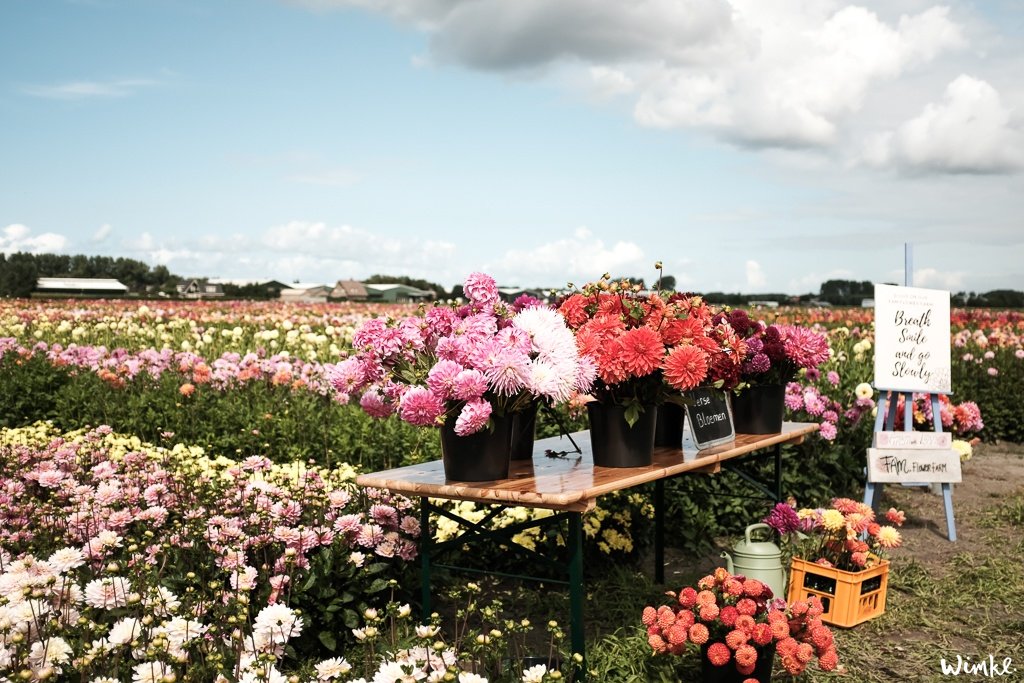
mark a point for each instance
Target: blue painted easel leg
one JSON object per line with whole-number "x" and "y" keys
{"x": 947, "y": 500}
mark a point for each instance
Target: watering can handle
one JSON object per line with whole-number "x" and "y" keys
{"x": 760, "y": 525}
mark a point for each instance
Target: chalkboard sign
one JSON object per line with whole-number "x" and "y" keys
{"x": 912, "y": 339}
{"x": 709, "y": 415}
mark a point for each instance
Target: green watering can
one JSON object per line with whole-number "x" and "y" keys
{"x": 761, "y": 560}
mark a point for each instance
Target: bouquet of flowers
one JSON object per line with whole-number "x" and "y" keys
{"x": 736, "y": 620}
{"x": 647, "y": 348}
{"x": 845, "y": 536}
{"x": 776, "y": 353}
{"x": 463, "y": 363}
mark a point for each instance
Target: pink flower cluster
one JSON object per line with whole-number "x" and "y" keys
{"x": 231, "y": 370}
{"x": 240, "y": 518}
{"x": 463, "y": 364}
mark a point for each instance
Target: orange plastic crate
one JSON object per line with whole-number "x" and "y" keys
{"x": 848, "y": 598}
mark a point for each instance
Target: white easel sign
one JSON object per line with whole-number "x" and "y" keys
{"x": 912, "y": 349}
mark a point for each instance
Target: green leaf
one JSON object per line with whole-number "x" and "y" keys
{"x": 351, "y": 619}
{"x": 632, "y": 413}
{"x": 327, "y": 639}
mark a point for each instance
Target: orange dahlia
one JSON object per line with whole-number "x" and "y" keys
{"x": 685, "y": 367}
{"x": 719, "y": 654}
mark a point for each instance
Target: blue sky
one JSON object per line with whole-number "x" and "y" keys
{"x": 751, "y": 145}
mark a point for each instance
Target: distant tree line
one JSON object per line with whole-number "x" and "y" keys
{"x": 19, "y": 272}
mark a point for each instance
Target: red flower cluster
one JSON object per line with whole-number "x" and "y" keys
{"x": 646, "y": 346}
{"x": 737, "y": 618}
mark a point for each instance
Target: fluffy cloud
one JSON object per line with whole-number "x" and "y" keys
{"x": 801, "y": 74}
{"x": 78, "y": 90}
{"x": 764, "y": 73}
{"x": 970, "y": 131}
{"x": 102, "y": 233}
{"x": 755, "y": 275}
{"x": 17, "y": 237}
{"x": 581, "y": 256}
{"x": 308, "y": 250}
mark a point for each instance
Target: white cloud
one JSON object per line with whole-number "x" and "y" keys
{"x": 337, "y": 177}
{"x": 766, "y": 73}
{"x": 17, "y": 237}
{"x": 607, "y": 82}
{"x": 78, "y": 90}
{"x": 803, "y": 71}
{"x": 581, "y": 256}
{"x": 102, "y": 233}
{"x": 970, "y": 131}
{"x": 939, "y": 279}
{"x": 755, "y": 275}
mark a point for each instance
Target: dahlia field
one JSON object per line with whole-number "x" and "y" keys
{"x": 176, "y": 497}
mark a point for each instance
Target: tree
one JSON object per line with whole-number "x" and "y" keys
{"x": 18, "y": 275}
{"x": 668, "y": 282}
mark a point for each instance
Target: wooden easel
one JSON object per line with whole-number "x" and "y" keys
{"x": 888, "y": 405}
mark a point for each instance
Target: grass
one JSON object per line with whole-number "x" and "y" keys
{"x": 972, "y": 606}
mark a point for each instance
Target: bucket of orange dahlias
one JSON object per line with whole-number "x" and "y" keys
{"x": 738, "y": 627}
{"x": 838, "y": 555}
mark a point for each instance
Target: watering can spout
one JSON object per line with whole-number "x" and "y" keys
{"x": 728, "y": 563}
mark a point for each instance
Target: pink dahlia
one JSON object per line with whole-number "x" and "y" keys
{"x": 806, "y": 348}
{"x": 421, "y": 407}
{"x": 469, "y": 385}
{"x": 481, "y": 290}
{"x": 441, "y": 378}
{"x": 473, "y": 417}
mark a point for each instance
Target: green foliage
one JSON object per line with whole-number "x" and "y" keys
{"x": 997, "y": 395}
{"x": 18, "y": 274}
{"x": 257, "y": 418}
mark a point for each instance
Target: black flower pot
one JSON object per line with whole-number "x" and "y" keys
{"x": 758, "y": 409}
{"x": 615, "y": 443}
{"x": 728, "y": 673}
{"x": 669, "y": 429}
{"x": 524, "y": 431}
{"x": 483, "y": 456}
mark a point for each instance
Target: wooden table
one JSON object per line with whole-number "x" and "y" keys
{"x": 570, "y": 486}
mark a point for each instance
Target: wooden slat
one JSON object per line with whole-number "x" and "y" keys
{"x": 573, "y": 482}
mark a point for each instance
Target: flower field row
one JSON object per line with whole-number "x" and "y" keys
{"x": 122, "y": 561}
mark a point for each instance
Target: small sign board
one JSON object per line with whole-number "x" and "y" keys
{"x": 710, "y": 417}
{"x": 913, "y": 465}
{"x": 918, "y": 440}
{"x": 912, "y": 350}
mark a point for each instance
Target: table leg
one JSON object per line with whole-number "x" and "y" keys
{"x": 778, "y": 473}
{"x": 659, "y": 531}
{"x": 576, "y": 588}
{"x": 426, "y": 538}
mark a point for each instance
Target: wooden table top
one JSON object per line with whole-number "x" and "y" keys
{"x": 573, "y": 482}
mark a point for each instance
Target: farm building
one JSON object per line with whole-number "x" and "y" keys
{"x": 79, "y": 286}
{"x": 349, "y": 290}
{"x": 307, "y": 293}
{"x": 396, "y": 293}
{"x": 199, "y": 288}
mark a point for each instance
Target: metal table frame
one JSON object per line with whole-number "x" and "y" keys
{"x": 569, "y": 486}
